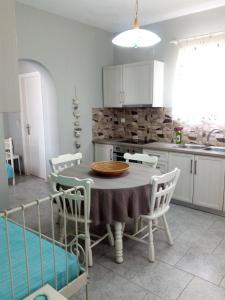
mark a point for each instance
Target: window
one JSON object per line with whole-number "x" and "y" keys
{"x": 199, "y": 86}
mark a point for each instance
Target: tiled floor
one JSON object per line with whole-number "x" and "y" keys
{"x": 192, "y": 269}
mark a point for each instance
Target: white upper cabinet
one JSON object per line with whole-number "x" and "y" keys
{"x": 113, "y": 86}
{"x": 134, "y": 84}
{"x": 9, "y": 87}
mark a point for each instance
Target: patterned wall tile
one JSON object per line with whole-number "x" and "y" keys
{"x": 150, "y": 123}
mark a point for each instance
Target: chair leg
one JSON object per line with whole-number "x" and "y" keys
{"x": 123, "y": 227}
{"x": 136, "y": 225}
{"x": 90, "y": 256}
{"x": 110, "y": 237}
{"x": 155, "y": 222}
{"x": 61, "y": 229}
{"x": 86, "y": 292}
{"x": 151, "y": 249}
{"x": 168, "y": 234}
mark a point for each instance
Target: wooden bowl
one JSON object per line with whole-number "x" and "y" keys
{"x": 109, "y": 168}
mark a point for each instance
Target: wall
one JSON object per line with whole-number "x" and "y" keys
{"x": 142, "y": 123}
{"x": 3, "y": 176}
{"x": 74, "y": 55}
{"x": 12, "y": 128}
{"x": 187, "y": 26}
{"x": 9, "y": 96}
{"x": 12, "y": 122}
{"x": 150, "y": 124}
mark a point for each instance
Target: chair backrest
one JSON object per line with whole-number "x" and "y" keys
{"x": 163, "y": 187}
{"x": 144, "y": 158}
{"x": 8, "y": 144}
{"x": 83, "y": 194}
{"x": 65, "y": 161}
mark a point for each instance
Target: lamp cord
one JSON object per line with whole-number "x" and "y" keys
{"x": 136, "y": 14}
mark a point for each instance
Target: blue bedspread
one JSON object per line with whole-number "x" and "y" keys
{"x": 9, "y": 170}
{"x": 34, "y": 262}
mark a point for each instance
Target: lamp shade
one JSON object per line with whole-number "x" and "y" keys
{"x": 136, "y": 38}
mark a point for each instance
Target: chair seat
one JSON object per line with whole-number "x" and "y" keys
{"x": 156, "y": 215}
{"x": 70, "y": 217}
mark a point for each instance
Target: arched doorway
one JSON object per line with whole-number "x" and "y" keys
{"x": 38, "y": 118}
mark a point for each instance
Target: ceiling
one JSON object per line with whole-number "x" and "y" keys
{"x": 117, "y": 15}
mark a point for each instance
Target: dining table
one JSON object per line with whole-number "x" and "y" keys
{"x": 116, "y": 199}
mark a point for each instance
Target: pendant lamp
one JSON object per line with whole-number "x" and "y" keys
{"x": 136, "y": 37}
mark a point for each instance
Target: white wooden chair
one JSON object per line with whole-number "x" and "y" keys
{"x": 162, "y": 191}
{"x": 144, "y": 159}
{"x": 64, "y": 161}
{"x": 11, "y": 156}
{"x": 66, "y": 211}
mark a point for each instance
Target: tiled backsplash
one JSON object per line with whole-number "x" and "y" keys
{"x": 149, "y": 123}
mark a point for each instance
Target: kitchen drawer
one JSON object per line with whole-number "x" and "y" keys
{"x": 162, "y": 155}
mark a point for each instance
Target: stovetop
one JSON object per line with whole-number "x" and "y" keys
{"x": 138, "y": 142}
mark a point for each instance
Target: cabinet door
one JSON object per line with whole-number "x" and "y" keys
{"x": 137, "y": 83}
{"x": 184, "y": 188}
{"x": 209, "y": 182}
{"x": 103, "y": 152}
{"x": 112, "y": 86}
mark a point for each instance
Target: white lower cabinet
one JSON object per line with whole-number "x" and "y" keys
{"x": 209, "y": 182}
{"x": 184, "y": 188}
{"x": 103, "y": 152}
{"x": 201, "y": 180}
{"x": 162, "y": 164}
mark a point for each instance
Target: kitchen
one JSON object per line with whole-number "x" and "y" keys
{"x": 165, "y": 101}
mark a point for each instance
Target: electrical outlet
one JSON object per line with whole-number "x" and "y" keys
{"x": 123, "y": 120}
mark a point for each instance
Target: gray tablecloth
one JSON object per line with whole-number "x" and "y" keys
{"x": 117, "y": 198}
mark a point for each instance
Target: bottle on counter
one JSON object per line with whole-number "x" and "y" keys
{"x": 178, "y": 131}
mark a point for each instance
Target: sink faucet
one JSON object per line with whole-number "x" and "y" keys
{"x": 213, "y": 131}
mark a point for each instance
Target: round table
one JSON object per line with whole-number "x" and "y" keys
{"x": 115, "y": 199}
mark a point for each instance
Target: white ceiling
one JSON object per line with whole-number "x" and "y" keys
{"x": 117, "y": 15}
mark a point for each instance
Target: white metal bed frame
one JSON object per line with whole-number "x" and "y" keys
{"x": 74, "y": 195}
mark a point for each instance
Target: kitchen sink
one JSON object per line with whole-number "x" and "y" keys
{"x": 213, "y": 148}
{"x": 190, "y": 146}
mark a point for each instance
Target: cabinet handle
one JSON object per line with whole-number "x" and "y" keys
{"x": 111, "y": 154}
{"x": 195, "y": 172}
{"x": 122, "y": 97}
{"x": 191, "y": 166}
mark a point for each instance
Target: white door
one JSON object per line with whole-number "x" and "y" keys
{"x": 137, "y": 81}
{"x": 184, "y": 188}
{"x": 209, "y": 182}
{"x": 113, "y": 86}
{"x": 32, "y": 123}
{"x": 103, "y": 152}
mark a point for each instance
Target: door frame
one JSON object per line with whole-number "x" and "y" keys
{"x": 23, "y": 120}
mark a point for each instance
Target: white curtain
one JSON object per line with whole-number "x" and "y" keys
{"x": 199, "y": 86}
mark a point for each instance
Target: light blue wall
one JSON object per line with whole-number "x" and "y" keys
{"x": 187, "y": 26}
{"x": 4, "y": 197}
{"x": 74, "y": 54}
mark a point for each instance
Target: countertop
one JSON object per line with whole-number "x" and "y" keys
{"x": 161, "y": 146}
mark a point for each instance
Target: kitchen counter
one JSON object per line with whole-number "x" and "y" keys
{"x": 162, "y": 146}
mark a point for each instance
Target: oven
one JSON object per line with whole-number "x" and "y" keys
{"x": 118, "y": 151}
